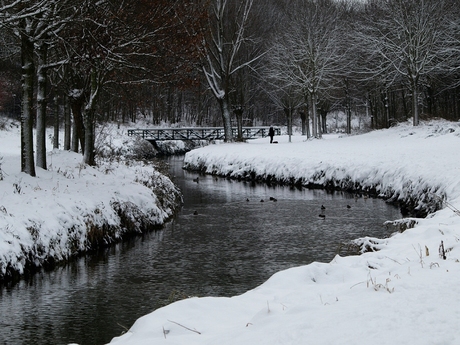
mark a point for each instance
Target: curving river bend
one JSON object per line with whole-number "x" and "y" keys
{"x": 223, "y": 242}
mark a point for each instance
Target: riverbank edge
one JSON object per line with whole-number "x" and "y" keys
{"x": 415, "y": 205}
{"x": 412, "y": 205}
{"x": 133, "y": 221}
{"x": 409, "y": 207}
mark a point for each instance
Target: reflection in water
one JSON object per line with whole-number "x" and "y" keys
{"x": 219, "y": 244}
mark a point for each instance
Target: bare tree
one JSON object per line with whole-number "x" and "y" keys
{"x": 308, "y": 55}
{"x": 224, "y": 41}
{"x": 279, "y": 73}
{"x": 18, "y": 17}
{"x": 33, "y": 22}
{"x": 58, "y": 14}
{"x": 404, "y": 40}
{"x": 318, "y": 52}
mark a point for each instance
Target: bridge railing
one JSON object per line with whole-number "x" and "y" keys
{"x": 198, "y": 133}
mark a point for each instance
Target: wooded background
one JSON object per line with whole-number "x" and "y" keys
{"x": 77, "y": 64}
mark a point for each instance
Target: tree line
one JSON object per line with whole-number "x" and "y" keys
{"x": 223, "y": 63}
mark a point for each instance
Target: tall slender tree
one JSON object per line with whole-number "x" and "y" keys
{"x": 33, "y": 22}
{"x": 223, "y": 43}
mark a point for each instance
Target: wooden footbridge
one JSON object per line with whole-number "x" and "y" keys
{"x": 198, "y": 133}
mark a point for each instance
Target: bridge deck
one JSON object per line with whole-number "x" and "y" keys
{"x": 198, "y": 133}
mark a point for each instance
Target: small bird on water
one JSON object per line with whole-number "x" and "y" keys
{"x": 322, "y": 216}
{"x": 322, "y": 207}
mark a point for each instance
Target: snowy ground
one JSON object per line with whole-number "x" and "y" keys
{"x": 405, "y": 293}
{"x": 70, "y": 207}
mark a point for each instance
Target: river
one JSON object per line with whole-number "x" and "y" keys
{"x": 227, "y": 238}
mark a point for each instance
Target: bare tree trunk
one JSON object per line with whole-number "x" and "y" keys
{"x": 89, "y": 155}
{"x": 56, "y": 123}
{"x": 320, "y": 124}
{"x": 288, "y": 112}
{"x": 67, "y": 124}
{"x": 75, "y": 139}
{"x": 28, "y": 69}
{"x": 79, "y": 129}
{"x": 41, "y": 106}
{"x": 314, "y": 114}
{"x": 348, "y": 108}
{"x": 387, "y": 109}
{"x": 305, "y": 122}
{"x": 348, "y": 119}
{"x": 323, "y": 122}
{"x": 89, "y": 152}
{"x": 226, "y": 118}
{"x": 238, "y": 111}
{"x": 224, "y": 45}
{"x": 415, "y": 104}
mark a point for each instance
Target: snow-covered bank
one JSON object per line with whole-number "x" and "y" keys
{"x": 403, "y": 293}
{"x": 72, "y": 208}
{"x": 405, "y": 163}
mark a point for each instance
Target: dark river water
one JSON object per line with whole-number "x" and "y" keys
{"x": 223, "y": 242}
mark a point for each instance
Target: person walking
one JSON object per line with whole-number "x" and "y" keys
{"x": 271, "y": 134}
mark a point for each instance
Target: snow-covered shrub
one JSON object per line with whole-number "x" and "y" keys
{"x": 133, "y": 148}
{"x": 166, "y": 191}
{"x": 370, "y": 244}
{"x": 401, "y": 225}
{"x": 172, "y": 147}
{"x": 110, "y": 141}
{"x": 142, "y": 149}
{"x": 3, "y": 124}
